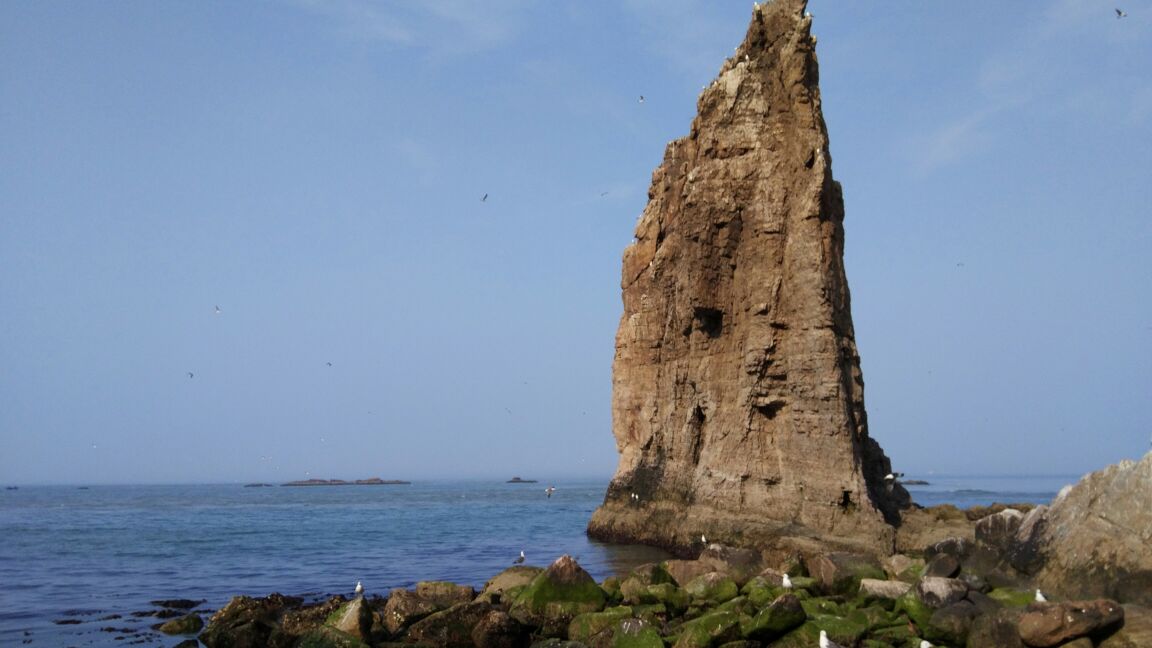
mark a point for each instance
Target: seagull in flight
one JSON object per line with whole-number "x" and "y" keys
{"x": 1121, "y": 14}
{"x": 520, "y": 559}
{"x": 190, "y": 374}
{"x": 484, "y": 198}
{"x": 550, "y": 490}
{"x": 218, "y": 311}
{"x": 329, "y": 364}
{"x": 641, "y": 98}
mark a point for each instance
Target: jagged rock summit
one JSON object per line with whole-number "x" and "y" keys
{"x": 738, "y": 405}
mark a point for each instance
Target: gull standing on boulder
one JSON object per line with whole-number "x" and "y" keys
{"x": 825, "y": 642}
{"x": 520, "y": 559}
{"x": 786, "y": 582}
{"x": 1040, "y": 598}
{"x": 359, "y": 589}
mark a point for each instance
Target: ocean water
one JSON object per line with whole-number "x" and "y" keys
{"x": 79, "y": 566}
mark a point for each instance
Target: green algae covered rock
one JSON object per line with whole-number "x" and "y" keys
{"x": 674, "y": 599}
{"x": 450, "y": 628}
{"x": 634, "y": 588}
{"x": 329, "y": 637}
{"x": 823, "y": 607}
{"x": 556, "y": 596}
{"x": 711, "y": 629}
{"x": 917, "y": 610}
{"x": 584, "y": 626}
{"x": 636, "y": 633}
{"x": 353, "y": 618}
{"x": 712, "y": 587}
{"x": 1012, "y": 598}
{"x": 505, "y": 585}
{"x": 775, "y": 620}
{"x": 187, "y": 624}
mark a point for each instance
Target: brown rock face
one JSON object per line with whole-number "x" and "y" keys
{"x": 738, "y": 404}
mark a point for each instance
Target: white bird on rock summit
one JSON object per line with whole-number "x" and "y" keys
{"x": 825, "y": 642}
{"x": 786, "y": 582}
{"x": 924, "y": 644}
{"x": 359, "y": 589}
{"x": 520, "y": 559}
{"x": 1040, "y": 598}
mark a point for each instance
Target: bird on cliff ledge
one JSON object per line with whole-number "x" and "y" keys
{"x": 786, "y": 582}
{"x": 1040, "y": 598}
{"x": 359, "y": 589}
{"x": 520, "y": 559}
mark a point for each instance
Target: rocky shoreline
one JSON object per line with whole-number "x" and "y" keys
{"x": 726, "y": 597}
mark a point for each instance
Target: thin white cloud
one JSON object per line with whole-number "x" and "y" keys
{"x": 442, "y": 29}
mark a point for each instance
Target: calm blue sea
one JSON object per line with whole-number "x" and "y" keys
{"x": 91, "y": 557}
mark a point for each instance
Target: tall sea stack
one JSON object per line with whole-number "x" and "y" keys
{"x": 738, "y": 402}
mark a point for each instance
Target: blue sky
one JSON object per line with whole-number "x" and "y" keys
{"x": 315, "y": 169}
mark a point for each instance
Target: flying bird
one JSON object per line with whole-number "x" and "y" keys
{"x": 359, "y": 589}
{"x": 520, "y": 559}
{"x": 1121, "y": 14}
{"x": 550, "y": 490}
{"x": 641, "y": 98}
{"x": 329, "y": 364}
{"x": 218, "y": 311}
{"x": 190, "y": 374}
{"x": 484, "y": 198}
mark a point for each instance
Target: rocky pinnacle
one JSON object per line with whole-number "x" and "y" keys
{"x": 738, "y": 402}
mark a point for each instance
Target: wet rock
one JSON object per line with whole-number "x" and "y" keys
{"x": 586, "y": 626}
{"x": 841, "y": 572}
{"x": 1136, "y": 631}
{"x": 1026, "y": 553}
{"x": 775, "y": 620}
{"x": 636, "y": 633}
{"x": 187, "y": 624}
{"x": 450, "y": 628}
{"x": 885, "y": 589}
{"x": 903, "y": 568}
{"x": 188, "y": 643}
{"x": 499, "y": 630}
{"x": 634, "y": 588}
{"x": 246, "y": 622}
{"x": 1051, "y": 624}
{"x": 176, "y": 604}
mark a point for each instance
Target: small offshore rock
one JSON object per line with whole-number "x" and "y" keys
{"x": 1051, "y": 624}
{"x": 176, "y": 604}
{"x": 187, "y": 624}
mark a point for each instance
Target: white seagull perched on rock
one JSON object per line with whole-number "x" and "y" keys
{"x": 825, "y": 642}
{"x": 520, "y": 559}
{"x": 1040, "y": 598}
{"x": 359, "y": 589}
{"x": 925, "y": 644}
{"x": 786, "y": 582}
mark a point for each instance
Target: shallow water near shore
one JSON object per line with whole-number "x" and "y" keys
{"x": 86, "y": 555}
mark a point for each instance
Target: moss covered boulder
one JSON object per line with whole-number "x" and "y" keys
{"x": 634, "y": 588}
{"x": 353, "y": 618}
{"x": 636, "y": 633}
{"x": 451, "y": 628}
{"x": 713, "y": 587}
{"x": 499, "y": 588}
{"x": 1012, "y": 598}
{"x": 776, "y": 620}
{"x": 329, "y": 637}
{"x": 841, "y": 572}
{"x": 556, "y": 596}
{"x": 187, "y": 624}
{"x": 710, "y": 629}
{"x": 585, "y": 626}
